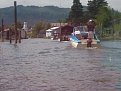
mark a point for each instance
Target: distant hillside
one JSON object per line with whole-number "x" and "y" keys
{"x": 33, "y": 14}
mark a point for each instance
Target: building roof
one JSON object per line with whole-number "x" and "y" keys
{"x": 49, "y": 30}
{"x": 53, "y": 28}
{"x": 58, "y": 24}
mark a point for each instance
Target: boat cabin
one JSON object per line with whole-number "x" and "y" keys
{"x": 80, "y": 32}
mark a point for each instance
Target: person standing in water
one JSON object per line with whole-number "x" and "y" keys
{"x": 91, "y": 30}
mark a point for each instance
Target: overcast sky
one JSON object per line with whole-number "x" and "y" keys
{"x": 116, "y": 4}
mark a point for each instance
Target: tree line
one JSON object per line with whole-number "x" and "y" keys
{"x": 107, "y": 19}
{"x": 39, "y": 18}
{"x": 34, "y": 14}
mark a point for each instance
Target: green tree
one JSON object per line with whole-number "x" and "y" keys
{"x": 103, "y": 18}
{"x": 76, "y": 13}
{"x": 19, "y": 26}
{"x": 94, "y": 6}
{"x": 40, "y": 27}
{"x": 115, "y": 21}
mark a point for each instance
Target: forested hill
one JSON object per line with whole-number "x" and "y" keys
{"x": 33, "y": 14}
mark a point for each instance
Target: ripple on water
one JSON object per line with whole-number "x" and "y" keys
{"x": 44, "y": 52}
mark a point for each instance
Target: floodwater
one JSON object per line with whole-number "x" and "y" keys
{"x": 47, "y": 65}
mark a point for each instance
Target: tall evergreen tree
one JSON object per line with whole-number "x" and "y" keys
{"x": 76, "y": 13}
{"x": 95, "y": 5}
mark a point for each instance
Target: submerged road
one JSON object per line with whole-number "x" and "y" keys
{"x": 47, "y": 65}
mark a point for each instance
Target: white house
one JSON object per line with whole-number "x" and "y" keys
{"x": 24, "y": 31}
{"x": 50, "y": 32}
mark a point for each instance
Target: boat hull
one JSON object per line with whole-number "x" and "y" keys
{"x": 83, "y": 44}
{"x": 84, "y": 39}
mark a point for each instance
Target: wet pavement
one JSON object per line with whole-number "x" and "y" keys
{"x": 47, "y": 65}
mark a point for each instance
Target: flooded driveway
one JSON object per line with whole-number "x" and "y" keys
{"x": 47, "y": 65}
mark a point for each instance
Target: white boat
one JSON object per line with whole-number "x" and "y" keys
{"x": 79, "y": 39}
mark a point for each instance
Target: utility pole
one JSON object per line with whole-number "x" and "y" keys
{"x": 2, "y": 30}
{"x": 15, "y": 18}
{"x": 10, "y": 34}
{"x": 19, "y": 35}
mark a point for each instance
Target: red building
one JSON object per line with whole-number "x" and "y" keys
{"x": 66, "y": 31}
